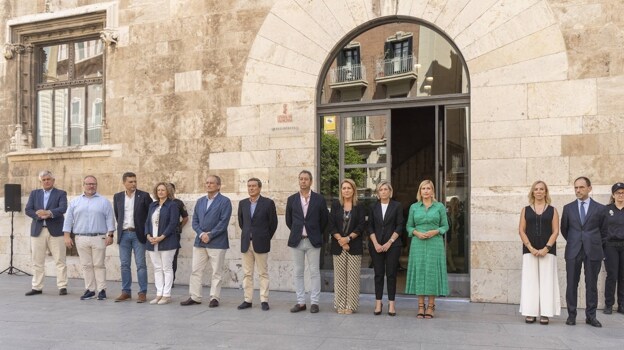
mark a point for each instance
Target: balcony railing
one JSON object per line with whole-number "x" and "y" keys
{"x": 395, "y": 66}
{"x": 346, "y": 74}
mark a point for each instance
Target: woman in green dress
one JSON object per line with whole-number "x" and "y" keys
{"x": 426, "y": 271}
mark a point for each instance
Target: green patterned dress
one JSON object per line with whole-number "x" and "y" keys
{"x": 426, "y": 270}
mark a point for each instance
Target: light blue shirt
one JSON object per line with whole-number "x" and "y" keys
{"x": 578, "y": 202}
{"x": 89, "y": 215}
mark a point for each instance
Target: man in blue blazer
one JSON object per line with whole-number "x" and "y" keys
{"x": 131, "y": 207}
{"x": 46, "y": 207}
{"x": 257, "y": 218}
{"x": 210, "y": 222}
{"x": 584, "y": 228}
{"x": 306, "y": 217}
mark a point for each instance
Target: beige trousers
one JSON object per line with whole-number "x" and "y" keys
{"x": 92, "y": 251}
{"x": 201, "y": 258}
{"x": 39, "y": 247}
{"x": 261, "y": 261}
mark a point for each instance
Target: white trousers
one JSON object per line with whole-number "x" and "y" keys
{"x": 163, "y": 271}
{"x": 539, "y": 294}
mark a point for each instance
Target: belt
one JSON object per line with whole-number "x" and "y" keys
{"x": 89, "y": 234}
{"x": 304, "y": 237}
{"x": 130, "y": 229}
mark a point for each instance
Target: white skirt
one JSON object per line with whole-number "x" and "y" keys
{"x": 539, "y": 294}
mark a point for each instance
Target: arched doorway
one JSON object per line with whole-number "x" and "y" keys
{"x": 393, "y": 104}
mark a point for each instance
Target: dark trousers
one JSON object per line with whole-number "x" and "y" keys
{"x": 386, "y": 265}
{"x": 573, "y": 276}
{"x": 175, "y": 258}
{"x": 614, "y": 264}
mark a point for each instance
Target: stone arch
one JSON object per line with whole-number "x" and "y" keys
{"x": 503, "y": 42}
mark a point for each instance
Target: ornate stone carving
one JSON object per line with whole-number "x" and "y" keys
{"x": 109, "y": 37}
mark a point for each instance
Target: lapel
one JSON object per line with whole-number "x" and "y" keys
{"x": 137, "y": 200}
{"x": 591, "y": 207}
{"x": 389, "y": 211}
{"x": 40, "y": 195}
{"x": 259, "y": 205}
{"x": 215, "y": 202}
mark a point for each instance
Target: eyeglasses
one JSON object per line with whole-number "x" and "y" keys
{"x": 618, "y": 194}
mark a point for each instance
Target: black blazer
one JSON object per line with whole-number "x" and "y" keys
{"x": 357, "y": 225}
{"x": 57, "y": 204}
{"x": 167, "y": 225}
{"x": 383, "y": 228}
{"x": 260, "y": 227}
{"x": 589, "y": 236}
{"x": 142, "y": 201}
{"x": 314, "y": 222}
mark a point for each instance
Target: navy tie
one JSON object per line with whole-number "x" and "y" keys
{"x": 583, "y": 213}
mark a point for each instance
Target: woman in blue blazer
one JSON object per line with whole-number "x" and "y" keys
{"x": 160, "y": 230}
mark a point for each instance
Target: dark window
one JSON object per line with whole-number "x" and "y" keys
{"x": 349, "y": 67}
{"x": 70, "y": 93}
{"x": 398, "y": 57}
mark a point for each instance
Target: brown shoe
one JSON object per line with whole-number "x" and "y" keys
{"x": 123, "y": 297}
{"x": 142, "y": 298}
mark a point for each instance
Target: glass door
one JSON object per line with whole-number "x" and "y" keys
{"x": 454, "y": 175}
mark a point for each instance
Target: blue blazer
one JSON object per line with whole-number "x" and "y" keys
{"x": 142, "y": 201}
{"x": 57, "y": 204}
{"x": 260, "y": 227}
{"x": 589, "y": 236}
{"x": 214, "y": 220}
{"x": 167, "y": 225}
{"x": 315, "y": 221}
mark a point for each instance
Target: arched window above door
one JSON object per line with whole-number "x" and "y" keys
{"x": 394, "y": 60}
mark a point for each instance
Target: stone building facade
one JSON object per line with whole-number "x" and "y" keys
{"x": 192, "y": 88}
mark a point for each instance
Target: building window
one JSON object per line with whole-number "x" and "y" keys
{"x": 69, "y": 93}
{"x": 398, "y": 56}
{"x": 349, "y": 67}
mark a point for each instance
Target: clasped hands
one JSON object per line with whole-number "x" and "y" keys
{"x": 155, "y": 240}
{"x": 538, "y": 252}
{"x": 424, "y": 235}
{"x": 344, "y": 243}
{"x": 43, "y": 214}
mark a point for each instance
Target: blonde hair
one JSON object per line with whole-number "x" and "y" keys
{"x": 387, "y": 184}
{"x": 353, "y": 186}
{"x": 532, "y": 197}
{"x": 426, "y": 182}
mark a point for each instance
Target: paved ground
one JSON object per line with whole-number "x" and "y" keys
{"x": 50, "y": 321}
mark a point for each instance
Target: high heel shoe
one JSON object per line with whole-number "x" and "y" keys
{"x": 377, "y": 313}
{"x": 421, "y": 311}
{"x": 429, "y": 315}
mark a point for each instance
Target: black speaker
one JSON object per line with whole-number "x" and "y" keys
{"x": 12, "y": 197}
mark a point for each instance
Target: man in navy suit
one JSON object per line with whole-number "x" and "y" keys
{"x": 306, "y": 217}
{"x": 46, "y": 207}
{"x": 131, "y": 207}
{"x": 257, "y": 218}
{"x": 583, "y": 227}
{"x": 210, "y": 222}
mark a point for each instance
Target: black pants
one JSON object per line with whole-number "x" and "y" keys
{"x": 175, "y": 257}
{"x": 385, "y": 265}
{"x": 614, "y": 265}
{"x": 573, "y": 276}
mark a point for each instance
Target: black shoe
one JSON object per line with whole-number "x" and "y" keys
{"x": 265, "y": 306}
{"x": 63, "y": 291}
{"x": 102, "y": 295}
{"x": 314, "y": 308}
{"x": 189, "y": 301}
{"x": 298, "y": 308}
{"x": 593, "y": 322}
{"x": 571, "y": 321}
{"x": 213, "y": 303}
{"x": 620, "y": 310}
{"x": 608, "y": 310}
{"x": 244, "y": 305}
{"x": 87, "y": 295}
{"x": 33, "y": 292}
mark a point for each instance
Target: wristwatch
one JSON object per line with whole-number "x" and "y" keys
{"x": 548, "y": 247}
